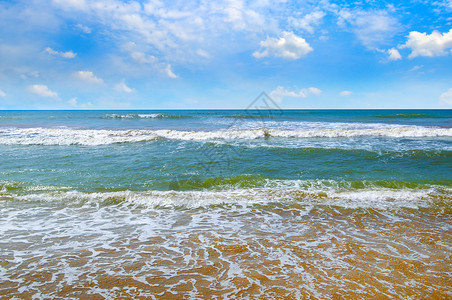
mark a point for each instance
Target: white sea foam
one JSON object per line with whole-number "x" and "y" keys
{"x": 141, "y": 116}
{"x": 133, "y": 116}
{"x": 318, "y": 194}
{"x": 302, "y": 125}
{"x": 65, "y": 136}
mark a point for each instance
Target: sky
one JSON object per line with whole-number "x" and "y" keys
{"x": 152, "y": 54}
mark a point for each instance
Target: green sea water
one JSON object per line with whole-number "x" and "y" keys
{"x": 138, "y": 151}
{"x": 277, "y": 182}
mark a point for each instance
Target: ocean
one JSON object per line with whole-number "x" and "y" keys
{"x": 260, "y": 203}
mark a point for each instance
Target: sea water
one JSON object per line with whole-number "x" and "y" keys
{"x": 259, "y": 204}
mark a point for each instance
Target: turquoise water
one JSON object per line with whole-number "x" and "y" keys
{"x": 150, "y": 150}
{"x": 95, "y": 180}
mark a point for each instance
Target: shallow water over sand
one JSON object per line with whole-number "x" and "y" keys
{"x": 259, "y": 251}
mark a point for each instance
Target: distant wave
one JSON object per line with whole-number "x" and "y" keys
{"x": 255, "y": 190}
{"x": 143, "y": 116}
{"x": 52, "y": 136}
{"x": 396, "y": 116}
{"x": 245, "y": 181}
{"x": 10, "y": 118}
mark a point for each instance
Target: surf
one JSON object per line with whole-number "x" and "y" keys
{"x": 93, "y": 137}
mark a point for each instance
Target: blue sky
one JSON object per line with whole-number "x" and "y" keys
{"x": 110, "y": 54}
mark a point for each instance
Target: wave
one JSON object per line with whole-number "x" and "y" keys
{"x": 378, "y": 147}
{"x": 244, "y": 181}
{"x": 260, "y": 181}
{"x": 10, "y": 118}
{"x": 248, "y": 190}
{"x": 65, "y": 136}
{"x": 368, "y": 197}
{"x": 397, "y": 116}
{"x": 143, "y": 116}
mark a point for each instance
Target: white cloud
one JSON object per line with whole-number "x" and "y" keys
{"x": 423, "y": 44}
{"x": 163, "y": 25}
{"x": 308, "y": 21}
{"x": 371, "y": 27}
{"x": 394, "y": 54}
{"x": 68, "y": 54}
{"x": 122, "y": 87}
{"x": 313, "y": 90}
{"x": 173, "y": 31}
{"x": 288, "y": 46}
{"x": 157, "y": 8}
{"x": 169, "y": 72}
{"x": 84, "y": 28}
{"x": 444, "y": 5}
{"x": 446, "y": 98}
{"x": 142, "y": 58}
{"x": 138, "y": 56}
{"x": 88, "y": 76}
{"x": 2, "y": 93}
{"x": 417, "y": 67}
{"x": 29, "y": 74}
{"x": 69, "y": 4}
{"x": 345, "y": 93}
{"x": 149, "y": 60}
{"x": 280, "y": 93}
{"x": 74, "y": 103}
{"x": 128, "y": 47}
{"x": 202, "y": 53}
{"x": 42, "y": 90}
{"x": 241, "y": 16}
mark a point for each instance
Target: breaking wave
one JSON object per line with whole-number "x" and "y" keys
{"x": 143, "y": 116}
{"x": 406, "y": 116}
{"x": 246, "y": 190}
{"x": 64, "y": 136}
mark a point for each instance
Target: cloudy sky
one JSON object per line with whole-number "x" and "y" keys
{"x": 151, "y": 54}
